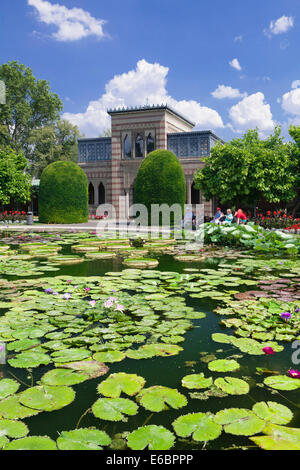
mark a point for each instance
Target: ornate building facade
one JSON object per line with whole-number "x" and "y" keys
{"x": 111, "y": 163}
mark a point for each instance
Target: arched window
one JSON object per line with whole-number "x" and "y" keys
{"x": 139, "y": 146}
{"x": 150, "y": 143}
{"x": 195, "y": 195}
{"x": 91, "y": 194}
{"x": 101, "y": 193}
{"x": 127, "y": 147}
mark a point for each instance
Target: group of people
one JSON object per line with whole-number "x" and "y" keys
{"x": 238, "y": 217}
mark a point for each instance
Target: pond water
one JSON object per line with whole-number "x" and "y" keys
{"x": 198, "y": 347}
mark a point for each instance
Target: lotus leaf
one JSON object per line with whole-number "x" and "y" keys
{"x": 11, "y": 428}
{"x": 232, "y": 386}
{"x": 8, "y": 387}
{"x": 278, "y": 438}
{"x": 109, "y": 356}
{"x": 115, "y": 384}
{"x": 32, "y": 443}
{"x": 282, "y": 382}
{"x": 223, "y": 365}
{"x": 273, "y": 412}
{"x": 196, "y": 381}
{"x": 56, "y": 377}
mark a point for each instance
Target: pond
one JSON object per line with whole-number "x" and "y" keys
{"x": 173, "y": 355}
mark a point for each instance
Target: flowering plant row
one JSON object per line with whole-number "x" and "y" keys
{"x": 13, "y": 216}
{"x": 275, "y": 219}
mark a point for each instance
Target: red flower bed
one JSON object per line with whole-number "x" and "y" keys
{"x": 13, "y": 216}
{"x": 276, "y": 219}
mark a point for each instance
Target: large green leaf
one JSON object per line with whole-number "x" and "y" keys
{"x": 282, "y": 382}
{"x": 114, "y": 409}
{"x": 239, "y": 421}
{"x": 115, "y": 384}
{"x": 223, "y": 365}
{"x": 32, "y": 443}
{"x": 152, "y": 437}
{"x": 273, "y": 412}
{"x": 83, "y": 439}
{"x": 8, "y": 387}
{"x": 232, "y": 386}
{"x": 196, "y": 381}
{"x": 159, "y": 398}
{"x": 278, "y": 438}
{"x": 47, "y": 398}
{"x": 201, "y": 426}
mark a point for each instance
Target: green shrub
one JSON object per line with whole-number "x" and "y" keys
{"x": 63, "y": 194}
{"x": 160, "y": 180}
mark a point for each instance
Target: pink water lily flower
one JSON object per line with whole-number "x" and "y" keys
{"x": 67, "y": 296}
{"x": 120, "y": 308}
{"x": 92, "y": 303}
{"x": 87, "y": 289}
{"x": 285, "y": 315}
{"x": 294, "y": 373}
{"x": 268, "y": 350}
{"x": 108, "y": 304}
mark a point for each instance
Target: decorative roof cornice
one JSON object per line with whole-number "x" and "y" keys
{"x": 153, "y": 107}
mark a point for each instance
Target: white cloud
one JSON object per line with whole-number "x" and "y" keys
{"x": 73, "y": 24}
{"x": 224, "y": 91}
{"x": 252, "y": 112}
{"x": 291, "y": 102}
{"x": 235, "y": 64}
{"x": 295, "y": 84}
{"x": 238, "y": 38}
{"x": 280, "y": 26}
{"x": 147, "y": 83}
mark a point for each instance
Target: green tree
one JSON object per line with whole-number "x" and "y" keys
{"x": 15, "y": 183}
{"x": 29, "y": 105}
{"x": 63, "y": 194}
{"x": 51, "y": 143}
{"x": 249, "y": 169}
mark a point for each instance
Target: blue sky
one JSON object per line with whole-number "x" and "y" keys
{"x": 228, "y": 66}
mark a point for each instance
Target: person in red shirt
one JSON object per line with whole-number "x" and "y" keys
{"x": 241, "y": 216}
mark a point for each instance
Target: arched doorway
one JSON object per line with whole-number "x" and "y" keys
{"x": 195, "y": 195}
{"x": 91, "y": 194}
{"x": 101, "y": 194}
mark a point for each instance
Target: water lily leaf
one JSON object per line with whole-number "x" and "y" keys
{"x": 157, "y": 398}
{"x": 58, "y": 377}
{"x": 29, "y": 359}
{"x": 3, "y": 441}
{"x": 223, "y": 365}
{"x": 115, "y": 384}
{"x": 11, "y": 408}
{"x": 22, "y": 344}
{"x": 221, "y": 338}
{"x": 8, "y": 387}
{"x": 47, "y": 398}
{"x": 200, "y": 426}
{"x": 83, "y": 439}
{"x": 282, "y": 382}
{"x": 278, "y": 438}
{"x": 154, "y": 437}
{"x": 109, "y": 356}
{"x": 11, "y": 428}
{"x": 239, "y": 421}
{"x": 92, "y": 369}
{"x": 196, "y": 381}
{"x": 273, "y": 412}
{"x": 71, "y": 355}
{"x": 232, "y": 386}
{"x": 114, "y": 409}
{"x": 32, "y": 443}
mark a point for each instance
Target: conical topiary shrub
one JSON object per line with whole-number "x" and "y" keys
{"x": 160, "y": 180}
{"x": 63, "y": 194}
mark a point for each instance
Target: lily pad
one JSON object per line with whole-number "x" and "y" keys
{"x": 159, "y": 398}
{"x": 278, "y": 438}
{"x": 273, "y": 412}
{"x": 282, "y": 382}
{"x": 83, "y": 439}
{"x": 109, "y": 356}
{"x": 29, "y": 359}
{"x": 196, "y": 381}
{"x": 232, "y": 385}
{"x": 223, "y": 365}
{"x": 58, "y": 377}
{"x": 114, "y": 409}
{"x": 201, "y": 426}
{"x": 115, "y": 384}
{"x": 239, "y": 421}
{"x": 8, "y": 387}
{"x": 47, "y": 398}
{"x": 92, "y": 369}
{"x": 12, "y": 428}
{"x": 152, "y": 437}
{"x": 32, "y": 443}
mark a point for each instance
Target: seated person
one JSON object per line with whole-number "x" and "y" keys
{"x": 241, "y": 216}
{"x": 228, "y": 218}
{"x": 218, "y": 215}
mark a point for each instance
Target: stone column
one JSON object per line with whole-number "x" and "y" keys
{"x": 189, "y": 191}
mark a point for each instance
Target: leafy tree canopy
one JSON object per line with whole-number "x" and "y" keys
{"x": 14, "y": 182}
{"x": 248, "y": 169}
{"x": 29, "y": 105}
{"x": 51, "y": 143}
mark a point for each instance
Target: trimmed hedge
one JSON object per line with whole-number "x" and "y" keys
{"x": 160, "y": 180}
{"x": 63, "y": 194}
